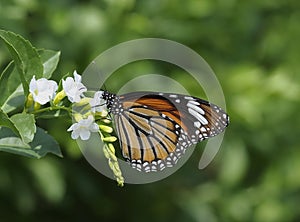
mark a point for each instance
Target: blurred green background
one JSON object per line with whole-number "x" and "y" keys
{"x": 253, "y": 47}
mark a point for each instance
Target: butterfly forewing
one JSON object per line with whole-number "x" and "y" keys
{"x": 155, "y": 129}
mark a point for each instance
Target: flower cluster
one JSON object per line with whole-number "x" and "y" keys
{"x": 43, "y": 91}
{"x": 90, "y": 113}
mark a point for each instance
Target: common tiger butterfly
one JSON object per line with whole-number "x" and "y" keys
{"x": 155, "y": 129}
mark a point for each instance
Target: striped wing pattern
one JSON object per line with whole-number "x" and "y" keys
{"x": 155, "y": 129}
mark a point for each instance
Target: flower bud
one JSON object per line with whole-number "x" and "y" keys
{"x": 104, "y": 113}
{"x": 107, "y": 121}
{"x": 110, "y": 139}
{"x": 106, "y": 129}
{"x": 106, "y": 154}
{"x": 77, "y": 117}
{"x": 120, "y": 181}
{"x": 84, "y": 101}
{"x": 29, "y": 100}
{"x": 59, "y": 97}
{"x": 111, "y": 148}
{"x": 113, "y": 157}
{"x": 36, "y": 106}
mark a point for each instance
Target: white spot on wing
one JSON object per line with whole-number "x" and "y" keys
{"x": 173, "y": 96}
{"x": 198, "y": 116}
{"x": 203, "y": 129}
{"x": 194, "y": 102}
{"x": 196, "y": 108}
{"x": 197, "y": 124}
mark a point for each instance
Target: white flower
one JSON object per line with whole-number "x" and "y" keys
{"x": 42, "y": 90}
{"x": 97, "y": 103}
{"x": 83, "y": 128}
{"x": 73, "y": 87}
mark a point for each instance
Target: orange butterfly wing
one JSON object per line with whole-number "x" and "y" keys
{"x": 155, "y": 129}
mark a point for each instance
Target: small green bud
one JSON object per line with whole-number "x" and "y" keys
{"x": 29, "y": 100}
{"x": 111, "y": 165}
{"x": 117, "y": 168}
{"x": 59, "y": 97}
{"x": 106, "y": 129}
{"x": 120, "y": 181}
{"x": 104, "y": 113}
{"x": 113, "y": 157}
{"x": 36, "y": 106}
{"x": 110, "y": 139}
{"x": 111, "y": 148}
{"x": 106, "y": 154}
{"x": 106, "y": 121}
{"x": 83, "y": 101}
{"x": 77, "y": 117}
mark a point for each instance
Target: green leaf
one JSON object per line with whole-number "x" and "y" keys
{"x": 11, "y": 80}
{"x": 41, "y": 145}
{"x": 16, "y": 146}
{"x": 25, "y": 123}
{"x": 4, "y": 92}
{"x": 25, "y": 56}
{"x": 14, "y": 101}
{"x": 50, "y": 60}
{"x": 5, "y": 121}
{"x": 44, "y": 143}
{"x": 12, "y": 144}
{"x": 12, "y": 95}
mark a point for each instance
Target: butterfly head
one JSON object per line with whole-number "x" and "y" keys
{"x": 110, "y": 100}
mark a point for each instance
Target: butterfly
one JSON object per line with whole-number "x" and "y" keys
{"x": 155, "y": 129}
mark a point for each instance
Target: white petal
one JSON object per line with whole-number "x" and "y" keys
{"x": 74, "y": 135}
{"x": 64, "y": 84}
{"x": 98, "y": 94}
{"x": 97, "y": 103}
{"x": 94, "y": 127}
{"x": 43, "y": 90}
{"x": 68, "y": 84}
{"x": 73, "y": 89}
{"x": 42, "y": 98}
{"x": 77, "y": 77}
{"x": 32, "y": 85}
{"x": 90, "y": 118}
{"x": 84, "y": 128}
{"x": 72, "y": 127}
{"x": 52, "y": 86}
{"x": 85, "y": 134}
{"x": 81, "y": 88}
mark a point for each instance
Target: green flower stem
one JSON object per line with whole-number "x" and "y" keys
{"x": 46, "y": 109}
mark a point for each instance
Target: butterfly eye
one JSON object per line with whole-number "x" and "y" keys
{"x": 155, "y": 129}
